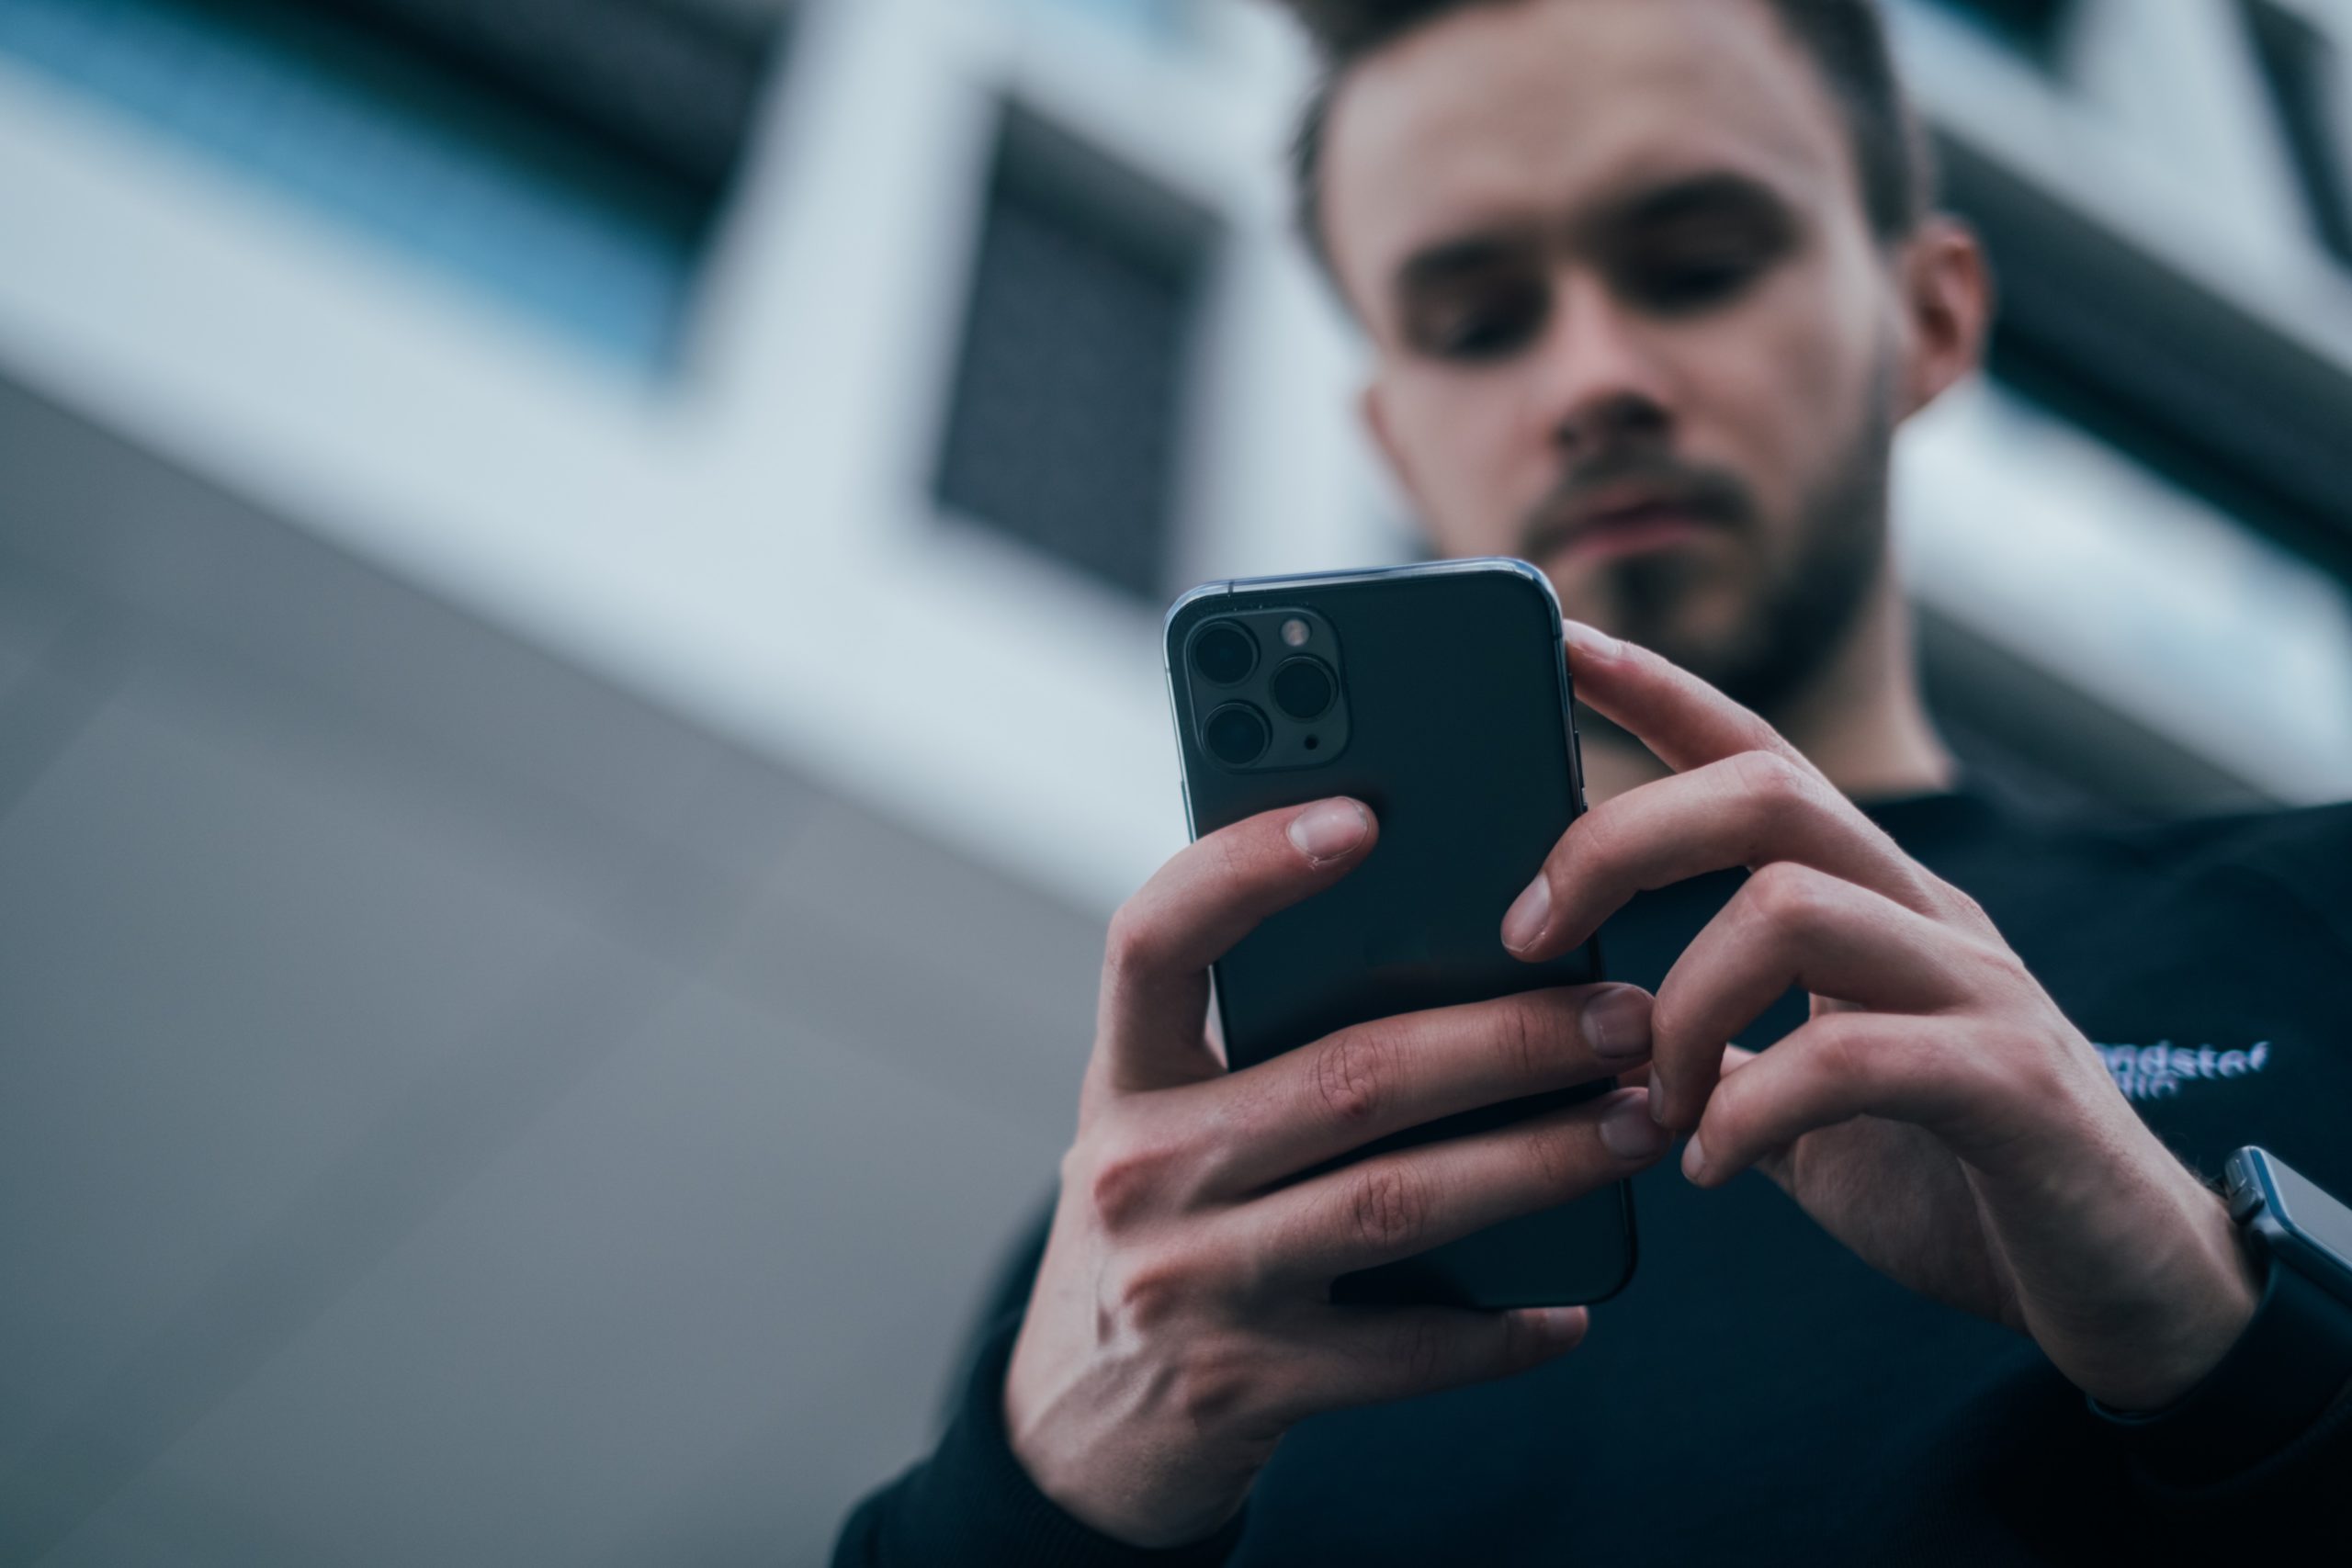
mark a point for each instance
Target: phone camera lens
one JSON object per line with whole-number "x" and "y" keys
{"x": 1236, "y": 735}
{"x": 1304, "y": 688}
{"x": 1225, "y": 652}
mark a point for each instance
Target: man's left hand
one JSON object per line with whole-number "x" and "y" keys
{"x": 1938, "y": 1113}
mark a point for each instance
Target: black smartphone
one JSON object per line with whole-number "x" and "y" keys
{"x": 1438, "y": 695}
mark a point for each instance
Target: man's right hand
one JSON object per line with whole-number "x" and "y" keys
{"x": 1180, "y": 1322}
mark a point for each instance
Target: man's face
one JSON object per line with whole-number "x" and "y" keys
{"x": 1630, "y": 320}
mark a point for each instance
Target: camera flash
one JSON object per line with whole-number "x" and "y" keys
{"x": 1294, "y": 633}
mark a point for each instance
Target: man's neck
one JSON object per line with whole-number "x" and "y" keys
{"x": 1862, "y": 720}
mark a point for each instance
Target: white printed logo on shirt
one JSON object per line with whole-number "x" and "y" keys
{"x": 2158, "y": 1071}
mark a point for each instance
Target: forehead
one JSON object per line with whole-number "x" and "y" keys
{"x": 1541, "y": 111}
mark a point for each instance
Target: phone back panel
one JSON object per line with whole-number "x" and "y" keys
{"x": 1454, "y": 701}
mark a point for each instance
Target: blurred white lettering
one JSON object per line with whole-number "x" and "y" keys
{"x": 2158, "y": 1071}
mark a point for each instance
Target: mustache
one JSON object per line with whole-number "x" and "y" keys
{"x": 1705, "y": 493}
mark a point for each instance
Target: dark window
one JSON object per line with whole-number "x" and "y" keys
{"x": 2299, "y": 64}
{"x": 2035, "y": 29}
{"x": 569, "y": 156}
{"x": 1064, "y": 431}
{"x": 668, "y": 85}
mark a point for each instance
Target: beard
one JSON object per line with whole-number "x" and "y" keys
{"x": 1790, "y": 618}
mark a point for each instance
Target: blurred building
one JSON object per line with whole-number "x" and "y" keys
{"x": 578, "y": 583}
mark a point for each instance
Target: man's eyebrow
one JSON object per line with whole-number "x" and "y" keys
{"x": 1696, "y": 196}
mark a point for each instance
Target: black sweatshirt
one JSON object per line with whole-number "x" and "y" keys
{"x": 1759, "y": 1395}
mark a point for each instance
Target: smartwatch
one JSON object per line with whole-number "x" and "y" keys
{"x": 2286, "y": 1217}
{"x": 2292, "y": 1361}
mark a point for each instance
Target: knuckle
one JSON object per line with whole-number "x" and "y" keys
{"x": 1560, "y": 1156}
{"x": 1124, "y": 1179}
{"x": 1667, "y": 1021}
{"x": 1787, "y": 895}
{"x": 2055, "y": 1073}
{"x": 1075, "y": 1167}
{"x": 1730, "y": 1119}
{"x": 1235, "y": 856}
{"x": 1425, "y": 1350}
{"x": 1527, "y": 1035}
{"x": 1962, "y": 906}
{"x": 1993, "y": 965}
{"x": 1154, "y": 1292}
{"x": 1847, "y": 1053}
{"x": 1772, "y": 777}
{"x": 1729, "y": 1128}
{"x": 1213, "y": 1387}
{"x": 1598, "y": 837}
{"x": 1354, "y": 1075}
{"x": 1983, "y": 1068}
{"x": 1131, "y": 944}
{"x": 1116, "y": 1190}
{"x": 1834, "y": 1048}
{"x": 1387, "y": 1206}
{"x": 2054, "y": 1050}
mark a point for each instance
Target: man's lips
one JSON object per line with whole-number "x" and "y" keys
{"x": 1633, "y": 528}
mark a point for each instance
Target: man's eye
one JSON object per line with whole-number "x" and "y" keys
{"x": 1695, "y": 278}
{"x": 1486, "y": 329}
{"x": 1688, "y": 287}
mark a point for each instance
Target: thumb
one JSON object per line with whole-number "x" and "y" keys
{"x": 1207, "y": 897}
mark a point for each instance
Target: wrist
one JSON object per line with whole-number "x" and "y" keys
{"x": 2285, "y": 1385}
{"x": 2216, "y": 1296}
{"x": 975, "y": 1501}
{"x": 1141, "y": 1495}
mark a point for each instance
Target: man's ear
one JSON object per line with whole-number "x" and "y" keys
{"x": 1946, "y": 283}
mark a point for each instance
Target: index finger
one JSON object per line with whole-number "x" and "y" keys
{"x": 1685, "y": 722}
{"x": 1747, "y": 810}
{"x": 1742, "y": 795}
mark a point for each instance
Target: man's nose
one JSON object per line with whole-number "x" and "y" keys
{"x": 1599, "y": 380}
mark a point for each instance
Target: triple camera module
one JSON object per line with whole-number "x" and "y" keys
{"x": 1265, "y": 690}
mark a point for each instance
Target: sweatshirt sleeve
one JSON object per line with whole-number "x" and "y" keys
{"x": 2298, "y": 1489}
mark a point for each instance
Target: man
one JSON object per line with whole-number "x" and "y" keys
{"x": 1650, "y": 284}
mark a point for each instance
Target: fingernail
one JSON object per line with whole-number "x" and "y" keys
{"x": 1616, "y": 1024}
{"x": 1694, "y": 1159}
{"x": 1628, "y": 1132}
{"x": 1592, "y": 641}
{"x": 1557, "y": 1326}
{"x": 1657, "y": 1102}
{"x": 1527, "y": 916}
{"x": 1328, "y": 828}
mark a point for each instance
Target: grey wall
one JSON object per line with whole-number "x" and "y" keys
{"x": 449, "y": 1112}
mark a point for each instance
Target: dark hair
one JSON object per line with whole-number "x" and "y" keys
{"x": 1846, "y": 40}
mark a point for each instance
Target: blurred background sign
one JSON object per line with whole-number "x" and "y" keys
{"x": 578, "y": 583}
